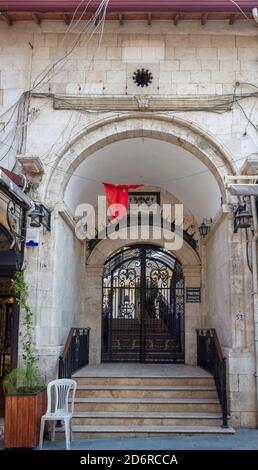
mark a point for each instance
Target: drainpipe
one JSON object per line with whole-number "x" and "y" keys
{"x": 255, "y": 295}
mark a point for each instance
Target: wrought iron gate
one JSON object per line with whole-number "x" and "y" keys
{"x": 143, "y": 306}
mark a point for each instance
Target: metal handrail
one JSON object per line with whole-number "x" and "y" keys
{"x": 211, "y": 358}
{"x": 76, "y": 352}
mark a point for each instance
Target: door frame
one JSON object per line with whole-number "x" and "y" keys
{"x": 106, "y": 354}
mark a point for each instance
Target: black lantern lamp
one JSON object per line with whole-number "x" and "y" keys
{"x": 204, "y": 228}
{"x": 242, "y": 217}
{"x": 40, "y": 215}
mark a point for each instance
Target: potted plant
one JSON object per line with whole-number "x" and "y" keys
{"x": 25, "y": 400}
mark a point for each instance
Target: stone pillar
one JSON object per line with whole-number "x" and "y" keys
{"x": 241, "y": 359}
{"x": 192, "y": 278}
{"x": 92, "y": 310}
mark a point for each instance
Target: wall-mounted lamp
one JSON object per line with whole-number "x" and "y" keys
{"x": 40, "y": 215}
{"x": 204, "y": 228}
{"x": 242, "y": 217}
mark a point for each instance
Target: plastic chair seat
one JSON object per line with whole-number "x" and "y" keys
{"x": 56, "y": 415}
{"x": 63, "y": 408}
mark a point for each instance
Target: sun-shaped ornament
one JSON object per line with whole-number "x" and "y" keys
{"x": 142, "y": 77}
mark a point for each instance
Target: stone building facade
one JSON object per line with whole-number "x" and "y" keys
{"x": 183, "y": 135}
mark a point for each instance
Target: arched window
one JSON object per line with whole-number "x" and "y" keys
{"x": 5, "y": 239}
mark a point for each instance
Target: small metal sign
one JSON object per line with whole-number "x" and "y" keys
{"x": 193, "y": 295}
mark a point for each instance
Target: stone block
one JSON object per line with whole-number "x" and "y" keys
{"x": 223, "y": 77}
{"x": 247, "y": 54}
{"x": 243, "y": 401}
{"x": 209, "y": 64}
{"x": 109, "y": 40}
{"x": 248, "y": 419}
{"x": 131, "y": 54}
{"x": 13, "y": 79}
{"x": 233, "y": 382}
{"x": 247, "y": 65}
{"x": 227, "y": 53}
{"x": 178, "y": 40}
{"x": 190, "y": 65}
{"x": 111, "y": 88}
{"x": 181, "y": 77}
{"x": 116, "y": 77}
{"x": 153, "y": 54}
{"x": 117, "y": 65}
{"x": 200, "y": 40}
{"x": 114, "y": 53}
{"x": 51, "y": 40}
{"x": 246, "y": 382}
{"x": 206, "y": 89}
{"x": 96, "y": 76}
{"x": 235, "y": 420}
{"x": 98, "y": 53}
{"x": 200, "y": 77}
{"x": 185, "y": 53}
{"x": 247, "y": 41}
{"x": 230, "y": 65}
{"x": 169, "y": 53}
{"x": 206, "y": 53}
{"x": 39, "y": 40}
{"x": 41, "y": 53}
{"x": 223, "y": 41}
{"x": 76, "y": 76}
{"x": 84, "y": 64}
{"x": 169, "y": 65}
{"x": 186, "y": 89}
{"x": 167, "y": 88}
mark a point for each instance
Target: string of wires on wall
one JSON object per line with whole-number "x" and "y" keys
{"x": 87, "y": 32}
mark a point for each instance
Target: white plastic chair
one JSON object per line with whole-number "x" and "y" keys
{"x": 63, "y": 388}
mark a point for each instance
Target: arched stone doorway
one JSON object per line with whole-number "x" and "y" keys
{"x": 83, "y": 303}
{"x": 143, "y": 306}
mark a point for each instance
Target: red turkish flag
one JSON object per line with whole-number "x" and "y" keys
{"x": 117, "y": 198}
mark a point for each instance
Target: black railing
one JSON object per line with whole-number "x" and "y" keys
{"x": 76, "y": 352}
{"x": 210, "y": 357}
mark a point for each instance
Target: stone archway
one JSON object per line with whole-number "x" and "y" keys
{"x": 171, "y": 129}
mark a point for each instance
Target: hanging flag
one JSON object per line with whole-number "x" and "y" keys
{"x": 117, "y": 198}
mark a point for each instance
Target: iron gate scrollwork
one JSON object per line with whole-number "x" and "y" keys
{"x": 143, "y": 306}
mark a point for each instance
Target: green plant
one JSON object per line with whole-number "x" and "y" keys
{"x": 27, "y": 378}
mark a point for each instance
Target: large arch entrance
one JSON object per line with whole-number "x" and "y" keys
{"x": 143, "y": 306}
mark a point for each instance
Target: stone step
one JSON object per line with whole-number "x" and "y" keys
{"x": 148, "y": 404}
{"x": 93, "y": 431}
{"x": 145, "y": 380}
{"x": 152, "y": 391}
{"x": 143, "y": 418}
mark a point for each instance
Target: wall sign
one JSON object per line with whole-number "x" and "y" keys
{"x": 193, "y": 295}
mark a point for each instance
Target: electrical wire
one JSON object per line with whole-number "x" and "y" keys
{"x": 101, "y": 11}
{"x": 51, "y": 166}
{"x": 240, "y": 9}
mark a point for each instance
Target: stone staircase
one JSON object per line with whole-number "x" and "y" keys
{"x": 150, "y": 404}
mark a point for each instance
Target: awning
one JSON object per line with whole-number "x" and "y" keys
{"x": 128, "y": 5}
{"x": 11, "y": 188}
{"x": 17, "y": 179}
{"x": 10, "y": 262}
